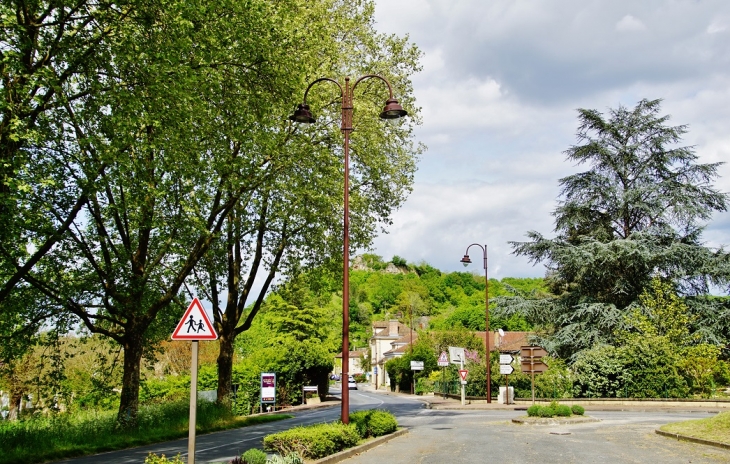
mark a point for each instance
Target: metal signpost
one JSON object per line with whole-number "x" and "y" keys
{"x": 463, "y": 373}
{"x": 505, "y": 368}
{"x": 443, "y": 362}
{"x": 531, "y": 363}
{"x": 194, "y": 326}
{"x": 415, "y": 366}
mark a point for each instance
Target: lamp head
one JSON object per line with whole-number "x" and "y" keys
{"x": 302, "y": 114}
{"x": 393, "y": 110}
{"x": 465, "y": 260}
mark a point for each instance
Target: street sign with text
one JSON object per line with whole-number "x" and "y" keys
{"x": 506, "y": 369}
{"x": 505, "y": 359}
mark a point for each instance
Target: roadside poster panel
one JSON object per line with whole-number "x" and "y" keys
{"x": 268, "y": 387}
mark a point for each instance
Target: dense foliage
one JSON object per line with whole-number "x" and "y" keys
{"x": 144, "y": 140}
{"x": 638, "y": 212}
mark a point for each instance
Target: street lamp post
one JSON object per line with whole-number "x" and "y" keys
{"x": 392, "y": 110}
{"x": 466, "y": 261}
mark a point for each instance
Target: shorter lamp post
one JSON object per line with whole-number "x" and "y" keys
{"x": 466, "y": 261}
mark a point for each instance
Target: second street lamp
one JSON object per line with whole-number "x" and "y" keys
{"x": 466, "y": 261}
{"x": 391, "y": 110}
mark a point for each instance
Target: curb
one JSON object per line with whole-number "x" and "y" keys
{"x": 342, "y": 455}
{"x": 699, "y": 441}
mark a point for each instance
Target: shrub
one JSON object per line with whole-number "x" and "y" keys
{"x": 314, "y": 441}
{"x": 563, "y": 410}
{"x": 578, "y": 409}
{"x": 291, "y": 458}
{"x": 373, "y": 423}
{"x": 253, "y": 456}
{"x": 533, "y": 410}
{"x": 152, "y": 458}
{"x": 546, "y": 411}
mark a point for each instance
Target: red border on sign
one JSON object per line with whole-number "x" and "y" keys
{"x": 176, "y": 335}
{"x": 463, "y": 374}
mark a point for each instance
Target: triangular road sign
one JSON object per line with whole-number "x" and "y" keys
{"x": 195, "y": 324}
{"x": 443, "y": 359}
{"x": 463, "y": 373}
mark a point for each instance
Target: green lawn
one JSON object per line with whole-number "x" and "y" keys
{"x": 51, "y": 438}
{"x": 716, "y": 428}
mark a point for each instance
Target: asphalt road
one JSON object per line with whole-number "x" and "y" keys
{"x": 440, "y": 436}
{"x": 223, "y": 446}
{"x": 458, "y": 436}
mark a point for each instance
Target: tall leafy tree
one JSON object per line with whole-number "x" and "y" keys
{"x": 295, "y": 218}
{"x": 169, "y": 136}
{"x": 638, "y": 211}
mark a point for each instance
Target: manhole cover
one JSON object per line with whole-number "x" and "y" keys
{"x": 559, "y": 433}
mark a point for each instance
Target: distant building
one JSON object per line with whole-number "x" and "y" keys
{"x": 391, "y": 339}
{"x": 354, "y": 366}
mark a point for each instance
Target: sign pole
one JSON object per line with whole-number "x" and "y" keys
{"x": 533, "y": 387}
{"x": 463, "y": 386}
{"x": 193, "y": 402}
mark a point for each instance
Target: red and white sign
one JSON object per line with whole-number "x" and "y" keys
{"x": 463, "y": 373}
{"x": 195, "y": 324}
{"x": 443, "y": 359}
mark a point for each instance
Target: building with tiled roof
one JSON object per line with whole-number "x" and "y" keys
{"x": 391, "y": 339}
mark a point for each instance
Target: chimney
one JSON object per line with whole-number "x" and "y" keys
{"x": 393, "y": 327}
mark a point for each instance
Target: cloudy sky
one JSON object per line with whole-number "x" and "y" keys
{"x": 500, "y": 84}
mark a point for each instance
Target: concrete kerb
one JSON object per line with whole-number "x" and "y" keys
{"x": 342, "y": 455}
{"x": 699, "y": 441}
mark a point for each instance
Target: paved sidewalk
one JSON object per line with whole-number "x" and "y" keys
{"x": 436, "y": 401}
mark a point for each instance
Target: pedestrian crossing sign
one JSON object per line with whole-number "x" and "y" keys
{"x": 195, "y": 324}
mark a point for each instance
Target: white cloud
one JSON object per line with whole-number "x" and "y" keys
{"x": 499, "y": 89}
{"x": 717, "y": 26}
{"x": 630, "y": 23}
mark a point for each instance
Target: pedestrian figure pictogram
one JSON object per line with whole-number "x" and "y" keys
{"x": 195, "y": 324}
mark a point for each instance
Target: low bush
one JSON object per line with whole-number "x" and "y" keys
{"x": 533, "y": 410}
{"x": 254, "y": 456}
{"x": 314, "y": 441}
{"x": 563, "y": 410}
{"x": 578, "y": 409}
{"x": 374, "y": 423}
{"x": 291, "y": 458}
{"x": 152, "y": 458}
{"x": 546, "y": 411}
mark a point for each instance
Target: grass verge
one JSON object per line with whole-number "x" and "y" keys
{"x": 51, "y": 438}
{"x": 716, "y": 428}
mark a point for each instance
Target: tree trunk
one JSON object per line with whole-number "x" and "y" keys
{"x": 129, "y": 401}
{"x": 15, "y": 398}
{"x": 225, "y": 365}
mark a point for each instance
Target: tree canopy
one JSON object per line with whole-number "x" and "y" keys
{"x": 636, "y": 213}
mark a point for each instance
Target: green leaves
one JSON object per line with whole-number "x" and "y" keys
{"x": 636, "y": 213}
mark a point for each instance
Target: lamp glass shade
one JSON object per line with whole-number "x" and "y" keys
{"x": 302, "y": 114}
{"x": 393, "y": 110}
{"x": 465, "y": 260}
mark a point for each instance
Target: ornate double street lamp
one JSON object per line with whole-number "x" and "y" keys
{"x": 466, "y": 261}
{"x": 392, "y": 110}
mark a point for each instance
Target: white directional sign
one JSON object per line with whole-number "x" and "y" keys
{"x": 505, "y": 359}
{"x": 506, "y": 369}
{"x": 416, "y": 365}
{"x": 443, "y": 359}
{"x": 195, "y": 324}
